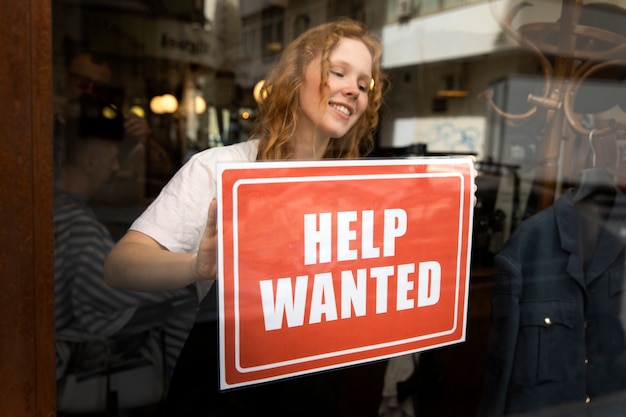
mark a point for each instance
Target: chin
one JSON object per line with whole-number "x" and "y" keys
{"x": 338, "y": 133}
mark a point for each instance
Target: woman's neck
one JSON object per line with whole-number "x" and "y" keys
{"x": 310, "y": 149}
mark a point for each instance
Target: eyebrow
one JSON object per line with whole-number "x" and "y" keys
{"x": 346, "y": 63}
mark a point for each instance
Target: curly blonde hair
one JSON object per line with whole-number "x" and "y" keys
{"x": 280, "y": 110}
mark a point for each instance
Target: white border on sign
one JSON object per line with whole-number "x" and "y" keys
{"x": 279, "y": 180}
{"x": 306, "y": 164}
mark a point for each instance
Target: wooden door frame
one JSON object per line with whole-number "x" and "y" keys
{"x": 27, "y": 386}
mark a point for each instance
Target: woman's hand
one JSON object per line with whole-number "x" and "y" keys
{"x": 205, "y": 266}
{"x": 474, "y": 176}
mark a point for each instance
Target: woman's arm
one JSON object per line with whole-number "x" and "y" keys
{"x": 138, "y": 262}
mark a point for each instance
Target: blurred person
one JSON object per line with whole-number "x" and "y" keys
{"x": 86, "y": 308}
{"x": 88, "y": 79}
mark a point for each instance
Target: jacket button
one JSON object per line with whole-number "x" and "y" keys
{"x": 587, "y": 399}
{"x": 547, "y": 321}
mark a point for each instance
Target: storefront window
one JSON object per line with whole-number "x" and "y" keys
{"x": 533, "y": 94}
{"x": 430, "y": 6}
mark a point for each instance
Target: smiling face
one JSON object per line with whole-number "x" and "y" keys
{"x": 343, "y": 100}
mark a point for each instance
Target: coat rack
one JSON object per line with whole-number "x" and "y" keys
{"x": 573, "y": 49}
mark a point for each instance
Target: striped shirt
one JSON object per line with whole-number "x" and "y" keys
{"x": 86, "y": 308}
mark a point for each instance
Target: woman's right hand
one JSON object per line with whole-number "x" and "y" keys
{"x": 206, "y": 258}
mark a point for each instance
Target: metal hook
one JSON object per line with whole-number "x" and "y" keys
{"x": 593, "y": 148}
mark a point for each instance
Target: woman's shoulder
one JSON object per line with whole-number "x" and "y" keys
{"x": 242, "y": 151}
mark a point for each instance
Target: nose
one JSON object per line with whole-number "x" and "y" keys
{"x": 351, "y": 89}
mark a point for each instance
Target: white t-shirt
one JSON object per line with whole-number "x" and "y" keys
{"x": 177, "y": 217}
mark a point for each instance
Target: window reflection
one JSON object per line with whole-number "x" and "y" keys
{"x": 546, "y": 302}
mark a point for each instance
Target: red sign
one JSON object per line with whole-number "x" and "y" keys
{"x": 331, "y": 263}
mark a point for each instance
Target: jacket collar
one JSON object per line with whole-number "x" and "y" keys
{"x": 611, "y": 242}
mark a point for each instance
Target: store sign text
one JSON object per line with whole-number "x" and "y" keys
{"x": 286, "y": 298}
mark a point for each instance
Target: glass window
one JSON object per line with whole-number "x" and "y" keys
{"x": 150, "y": 96}
{"x": 272, "y": 36}
{"x": 429, "y": 6}
{"x": 454, "y": 3}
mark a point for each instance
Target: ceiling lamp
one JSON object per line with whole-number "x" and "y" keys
{"x": 166, "y": 103}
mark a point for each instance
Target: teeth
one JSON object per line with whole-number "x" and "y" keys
{"x": 342, "y": 109}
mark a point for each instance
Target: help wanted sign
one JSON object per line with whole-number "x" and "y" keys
{"x": 331, "y": 263}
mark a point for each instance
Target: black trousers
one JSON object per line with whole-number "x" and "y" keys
{"x": 194, "y": 389}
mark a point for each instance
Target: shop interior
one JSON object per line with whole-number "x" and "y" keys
{"x": 545, "y": 131}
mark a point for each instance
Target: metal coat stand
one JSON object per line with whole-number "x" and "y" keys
{"x": 569, "y": 52}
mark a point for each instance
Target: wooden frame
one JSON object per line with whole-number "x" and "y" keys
{"x": 27, "y": 386}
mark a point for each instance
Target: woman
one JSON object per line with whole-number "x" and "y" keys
{"x": 320, "y": 101}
